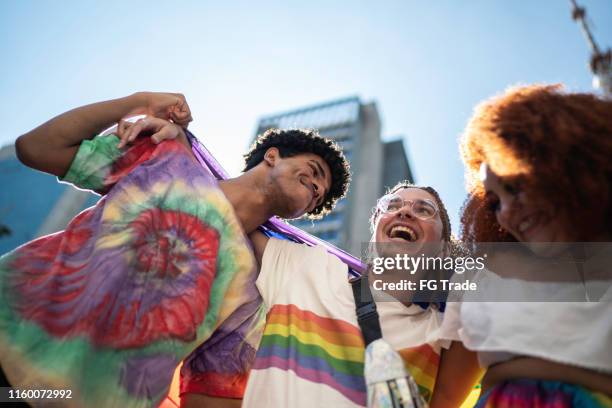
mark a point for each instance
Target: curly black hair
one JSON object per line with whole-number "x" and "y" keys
{"x": 292, "y": 142}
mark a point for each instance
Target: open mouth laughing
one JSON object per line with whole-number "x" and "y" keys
{"x": 403, "y": 232}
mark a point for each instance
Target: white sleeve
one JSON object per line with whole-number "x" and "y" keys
{"x": 451, "y": 326}
{"x": 451, "y": 322}
{"x": 270, "y": 278}
{"x": 280, "y": 260}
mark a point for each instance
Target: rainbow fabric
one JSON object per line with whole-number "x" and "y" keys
{"x": 319, "y": 349}
{"x": 542, "y": 394}
{"x": 331, "y": 351}
{"x": 109, "y": 307}
{"x": 422, "y": 362}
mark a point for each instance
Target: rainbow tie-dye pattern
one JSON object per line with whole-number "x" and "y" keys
{"x": 109, "y": 307}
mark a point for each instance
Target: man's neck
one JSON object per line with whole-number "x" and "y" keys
{"x": 247, "y": 195}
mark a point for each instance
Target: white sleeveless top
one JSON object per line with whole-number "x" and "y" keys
{"x": 577, "y": 333}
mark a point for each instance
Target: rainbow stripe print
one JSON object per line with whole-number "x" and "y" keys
{"x": 422, "y": 362}
{"x": 331, "y": 352}
{"x": 318, "y": 349}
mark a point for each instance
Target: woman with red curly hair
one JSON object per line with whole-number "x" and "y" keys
{"x": 539, "y": 171}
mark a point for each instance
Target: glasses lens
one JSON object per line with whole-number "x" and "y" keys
{"x": 390, "y": 203}
{"x": 424, "y": 209}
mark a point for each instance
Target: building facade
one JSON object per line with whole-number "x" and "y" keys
{"x": 375, "y": 165}
{"x": 32, "y": 203}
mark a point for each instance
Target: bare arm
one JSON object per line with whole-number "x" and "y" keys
{"x": 459, "y": 372}
{"x": 51, "y": 147}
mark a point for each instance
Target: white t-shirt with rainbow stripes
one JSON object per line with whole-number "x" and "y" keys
{"x": 312, "y": 353}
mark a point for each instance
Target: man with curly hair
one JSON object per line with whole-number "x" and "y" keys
{"x": 160, "y": 270}
{"x": 294, "y": 171}
{"x": 307, "y": 145}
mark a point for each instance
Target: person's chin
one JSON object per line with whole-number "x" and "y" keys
{"x": 543, "y": 249}
{"x": 389, "y": 247}
{"x": 293, "y": 215}
{"x": 546, "y": 245}
{"x": 296, "y": 212}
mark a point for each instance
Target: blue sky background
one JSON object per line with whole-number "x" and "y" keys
{"x": 426, "y": 64}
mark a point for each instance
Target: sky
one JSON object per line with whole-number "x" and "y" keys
{"x": 426, "y": 64}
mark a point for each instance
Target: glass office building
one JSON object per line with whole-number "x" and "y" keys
{"x": 32, "y": 203}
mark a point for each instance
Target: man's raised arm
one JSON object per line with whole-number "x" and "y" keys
{"x": 51, "y": 147}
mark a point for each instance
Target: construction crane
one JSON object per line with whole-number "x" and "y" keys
{"x": 601, "y": 61}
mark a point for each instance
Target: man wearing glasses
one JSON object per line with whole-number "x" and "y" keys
{"x": 312, "y": 351}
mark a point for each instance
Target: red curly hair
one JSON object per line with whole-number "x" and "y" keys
{"x": 558, "y": 145}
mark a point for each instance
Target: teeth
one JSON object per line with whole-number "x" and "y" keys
{"x": 401, "y": 228}
{"x": 526, "y": 224}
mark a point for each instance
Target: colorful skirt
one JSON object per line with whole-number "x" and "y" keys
{"x": 542, "y": 394}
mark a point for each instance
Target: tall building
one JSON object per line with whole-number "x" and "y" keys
{"x": 32, "y": 203}
{"x": 375, "y": 165}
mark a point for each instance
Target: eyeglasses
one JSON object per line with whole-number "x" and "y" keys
{"x": 422, "y": 209}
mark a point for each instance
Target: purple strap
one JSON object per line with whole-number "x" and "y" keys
{"x": 275, "y": 224}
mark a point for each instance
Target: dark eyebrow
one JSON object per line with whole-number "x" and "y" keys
{"x": 319, "y": 168}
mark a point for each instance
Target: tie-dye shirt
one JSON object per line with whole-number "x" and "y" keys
{"x": 108, "y": 308}
{"x": 312, "y": 352}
